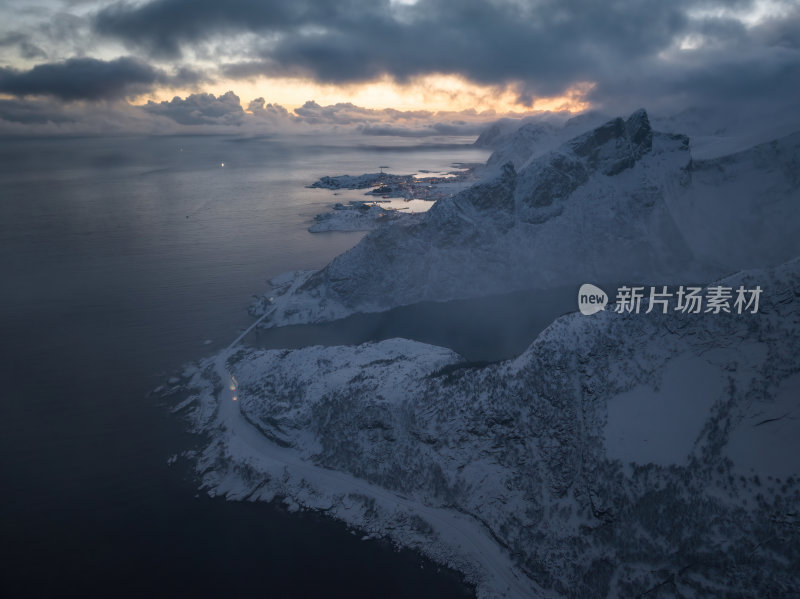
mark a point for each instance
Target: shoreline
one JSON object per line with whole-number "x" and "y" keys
{"x": 388, "y": 198}
{"x": 264, "y": 471}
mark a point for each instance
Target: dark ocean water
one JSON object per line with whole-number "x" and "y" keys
{"x": 119, "y": 258}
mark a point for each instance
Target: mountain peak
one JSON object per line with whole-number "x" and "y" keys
{"x": 616, "y": 145}
{"x": 639, "y": 130}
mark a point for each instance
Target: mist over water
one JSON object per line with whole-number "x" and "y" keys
{"x": 120, "y": 259}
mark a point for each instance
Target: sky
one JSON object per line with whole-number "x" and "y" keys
{"x": 408, "y": 67}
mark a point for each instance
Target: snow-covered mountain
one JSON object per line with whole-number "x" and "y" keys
{"x": 620, "y": 202}
{"x": 621, "y": 455}
{"x": 714, "y": 131}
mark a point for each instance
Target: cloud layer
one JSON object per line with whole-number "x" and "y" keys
{"x": 709, "y": 48}
{"x": 81, "y": 78}
{"x": 741, "y": 55}
{"x": 208, "y": 113}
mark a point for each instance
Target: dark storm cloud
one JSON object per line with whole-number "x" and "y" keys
{"x": 733, "y": 67}
{"x": 543, "y": 47}
{"x": 490, "y": 42}
{"x": 91, "y": 79}
{"x": 665, "y": 55}
{"x": 80, "y": 79}
{"x": 164, "y": 25}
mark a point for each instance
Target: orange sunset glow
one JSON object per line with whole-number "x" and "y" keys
{"x": 433, "y": 93}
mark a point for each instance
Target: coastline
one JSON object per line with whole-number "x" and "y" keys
{"x": 494, "y": 468}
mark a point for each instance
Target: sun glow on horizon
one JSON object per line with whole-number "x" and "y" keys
{"x": 430, "y": 93}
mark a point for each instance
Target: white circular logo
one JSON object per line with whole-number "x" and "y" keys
{"x": 591, "y": 299}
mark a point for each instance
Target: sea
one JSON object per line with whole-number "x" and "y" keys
{"x": 121, "y": 260}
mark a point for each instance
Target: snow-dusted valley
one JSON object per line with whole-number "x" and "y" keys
{"x": 621, "y": 454}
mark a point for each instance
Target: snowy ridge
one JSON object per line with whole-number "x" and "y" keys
{"x": 520, "y": 141}
{"x": 535, "y": 457}
{"x": 717, "y": 133}
{"x": 619, "y": 202}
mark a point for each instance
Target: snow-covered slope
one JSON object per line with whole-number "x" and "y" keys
{"x": 518, "y": 142}
{"x": 500, "y": 131}
{"x": 719, "y": 131}
{"x": 617, "y": 203}
{"x": 715, "y": 131}
{"x": 621, "y": 455}
{"x": 741, "y": 210}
